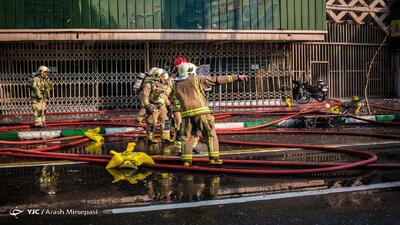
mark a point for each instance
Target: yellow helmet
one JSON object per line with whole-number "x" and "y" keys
{"x": 355, "y": 98}
{"x": 43, "y": 69}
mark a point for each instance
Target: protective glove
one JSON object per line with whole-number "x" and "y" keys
{"x": 149, "y": 109}
{"x": 160, "y": 102}
{"x": 40, "y": 96}
{"x": 48, "y": 86}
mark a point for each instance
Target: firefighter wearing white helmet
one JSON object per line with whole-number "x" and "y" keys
{"x": 149, "y": 78}
{"x": 185, "y": 70}
{"x": 155, "y": 101}
{"x": 175, "y": 108}
{"x": 190, "y": 91}
{"x": 40, "y": 91}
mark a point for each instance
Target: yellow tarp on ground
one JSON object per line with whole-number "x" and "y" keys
{"x": 132, "y": 176}
{"x": 94, "y": 147}
{"x": 94, "y": 135}
{"x": 128, "y": 158}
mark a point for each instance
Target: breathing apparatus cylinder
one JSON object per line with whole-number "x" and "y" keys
{"x": 138, "y": 81}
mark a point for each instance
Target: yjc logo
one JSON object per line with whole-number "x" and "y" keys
{"x": 33, "y": 211}
{"x": 15, "y": 212}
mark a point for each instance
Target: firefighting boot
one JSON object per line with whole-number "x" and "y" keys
{"x": 186, "y": 159}
{"x": 44, "y": 121}
{"x": 215, "y": 161}
{"x": 151, "y": 138}
{"x": 39, "y": 122}
{"x": 165, "y": 137}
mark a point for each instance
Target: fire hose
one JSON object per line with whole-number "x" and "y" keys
{"x": 367, "y": 158}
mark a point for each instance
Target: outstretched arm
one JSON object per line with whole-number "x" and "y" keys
{"x": 219, "y": 80}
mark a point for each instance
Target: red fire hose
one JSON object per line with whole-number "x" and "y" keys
{"x": 368, "y": 158}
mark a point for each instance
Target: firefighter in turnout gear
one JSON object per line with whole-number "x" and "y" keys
{"x": 155, "y": 101}
{"x": 176, "y": 112}
{"x": 189, "y": 90}
{"x": 40, "y": 91}
{"x": 356, "y": 105}
{"x": 176, "y": 105}
{"x": 142, "y": 112}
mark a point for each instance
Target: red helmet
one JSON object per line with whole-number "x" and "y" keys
{"x": 179, "y": 61}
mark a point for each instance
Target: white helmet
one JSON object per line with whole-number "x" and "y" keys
{"x": 159, "y": 73}
{"x": 43, "y": 69}
{"x": 151, "y": 71}
{"x": 187, "y": 69}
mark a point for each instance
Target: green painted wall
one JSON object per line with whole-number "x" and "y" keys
{"x": 164, "y": 14}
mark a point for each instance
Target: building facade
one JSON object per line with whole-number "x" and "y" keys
{"x": 96, "y": 48}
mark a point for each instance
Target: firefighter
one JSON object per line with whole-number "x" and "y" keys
{"x": 155, "y": 101}
{"x": 142, "y": 112}
{"x": 41, "y": 88}
{"x": 164, "y": 103}
{"x": 356, "y": 105}
{"x": 175, "y": 108}
{"x": 189, "y": 90}
{"x": 48, "y": 180}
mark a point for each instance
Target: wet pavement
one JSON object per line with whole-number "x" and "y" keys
{"x": 55, "y": 189}
{"x": 90, "y": 187}
{"x": 360, "y": 208}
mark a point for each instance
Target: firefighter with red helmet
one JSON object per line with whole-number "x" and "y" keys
{"x": 175, "y": 108}
{"x": 190, "y": 91}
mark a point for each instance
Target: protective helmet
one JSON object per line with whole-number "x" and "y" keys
{"x": 179, "y": 61}
{"x": 187, "y": 69}
{"x": 43, "y": 69}
{"x": 355, "y": 98}
{"x": 159, "y": 73}
{"x": 151, "y": 71}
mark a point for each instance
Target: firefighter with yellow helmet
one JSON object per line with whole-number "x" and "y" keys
{"x": 40, "y": 91}
{"x": 155, "y": 101}
{"x": 190, "y": 91}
